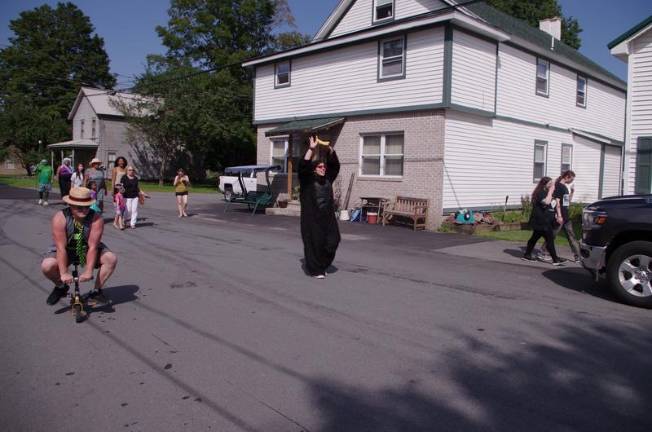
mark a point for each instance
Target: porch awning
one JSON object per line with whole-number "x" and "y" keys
{"x": 305, "y": 126}
{"x": 597, "y": 137}
{"x": 79, "y": 143}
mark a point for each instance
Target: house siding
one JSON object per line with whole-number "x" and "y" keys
{"x": 486, "y": 160}
{"x": 604, "y": 113}
{"x": 474, "y": 72}
{"x": 423, "y": 166}
{"x": 359, "y": 16}
{"x": 640, "y": 102}
{"x": 84, "y": 112}
{"x": 345, "y": 80}
{"x": 612, "y": 166}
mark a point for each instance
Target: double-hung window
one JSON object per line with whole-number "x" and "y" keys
{"x": 566, "y": 157}
{"x": 543, "y": 77}
{"x": 81, "y": 122}
{"x": 93, "y": 131}
{"x": 280, "y": 154}
{"x": 382, "y": 155}
{"x": 282, "y": 74}
{"x": 391, "y": 62}
{"x": 540, "y": 157}
{"x": 581, "y": 91}
{"x": 383, "y": 10}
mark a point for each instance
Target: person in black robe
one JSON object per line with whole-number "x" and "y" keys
{"x": 319, "y": 229}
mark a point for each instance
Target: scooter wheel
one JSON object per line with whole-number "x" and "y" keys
{"x": 78, "y": 313}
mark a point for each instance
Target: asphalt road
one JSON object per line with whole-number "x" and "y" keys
{"x": 216, "y": 327}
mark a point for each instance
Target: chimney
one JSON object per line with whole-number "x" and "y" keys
{"x": 552, "y": 26}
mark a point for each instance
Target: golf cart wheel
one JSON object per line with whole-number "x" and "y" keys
{"x": 630, "y": 273}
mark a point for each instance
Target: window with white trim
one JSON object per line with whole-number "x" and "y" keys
{"x": 112, "y": 157}
{"x": 540, "y": 157}
{"x": 383, "y": 10}
{"x": 392, "y": 58}
{"x": 81, "y": 129}
{"x": 279, "y": 153}
{"x": 93, "y": 131}
{"x": 382, "y": 155}
{"x": 580, "y": 98}
{"x": 543, "y": 77}
{"x": 566, "y": 157}
{"x": 282, "y": 74}
{"x": 10, "y": 165}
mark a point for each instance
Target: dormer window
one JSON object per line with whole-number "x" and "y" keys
{"x": 282, "y": 74}
{"x": 383, "y": 10}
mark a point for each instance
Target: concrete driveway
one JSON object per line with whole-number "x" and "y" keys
{"x": 214, "y": 326}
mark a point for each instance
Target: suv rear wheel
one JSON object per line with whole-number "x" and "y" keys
{"x": 630, "y": 273}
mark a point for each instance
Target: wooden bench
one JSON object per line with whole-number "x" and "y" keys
{"x": 413, "y": 209}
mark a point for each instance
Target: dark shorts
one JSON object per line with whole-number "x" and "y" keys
{"x": 52, "y": 253}
{"x": 181, "y": 193}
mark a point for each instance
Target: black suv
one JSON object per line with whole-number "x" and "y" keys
{"x": 617, "y": 244}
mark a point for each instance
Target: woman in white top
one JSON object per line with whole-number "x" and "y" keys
{"x": 77, "y": 178}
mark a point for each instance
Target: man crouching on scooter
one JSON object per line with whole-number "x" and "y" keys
{"x": 77, "y": 233}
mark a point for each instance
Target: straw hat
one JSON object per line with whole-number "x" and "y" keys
{"x": 94, "y": 161}
{"x": 79, "y": 196}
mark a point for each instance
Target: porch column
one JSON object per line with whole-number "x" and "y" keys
{"x": 290, "y": 165}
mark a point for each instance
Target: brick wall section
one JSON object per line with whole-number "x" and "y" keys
{"x": 423, "y": 164}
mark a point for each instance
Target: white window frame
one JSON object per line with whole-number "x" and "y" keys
{"x": 382, "y": 155}
{"x": 538, "y": 77}
{"x": 376, "y": 6}
{"x": 10, "y": 165}
{"x": 276, "y": 74}
{"x": 544, "y": 162}
{"x": 382, "y": 59}
{"x": 286, "y": 140}
{"x": 579, "y": 94}
{"x": 569, "y": 165}
{"x": 111, "y": 157}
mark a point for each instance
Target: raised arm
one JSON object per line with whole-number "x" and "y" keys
{"x": 332, "y": 165}
{"x": 305, "y": 164}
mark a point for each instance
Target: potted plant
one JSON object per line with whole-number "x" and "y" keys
{"x": 282, "y": 200}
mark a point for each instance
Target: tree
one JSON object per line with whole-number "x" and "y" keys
{"x": 211, "y": 110}
{"x": 288, "y": 40}
{"x": 532, "y": 11}
{"x": 52, "y": 53}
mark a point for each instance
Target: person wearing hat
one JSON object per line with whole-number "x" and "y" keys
{"x": 96, "y": 173}
{"x": 44, "y": 178}
{"x": 77, "y": 232}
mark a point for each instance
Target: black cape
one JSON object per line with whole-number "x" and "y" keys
{"x": 319, "y": 229}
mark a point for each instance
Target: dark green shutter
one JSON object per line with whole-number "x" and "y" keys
{"x": 643, "y": 165}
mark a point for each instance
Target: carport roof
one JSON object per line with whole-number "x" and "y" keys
{"x": 79, "y": 143}
{"x": 306, "y": 126}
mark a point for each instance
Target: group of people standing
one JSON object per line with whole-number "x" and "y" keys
{"x": 550, "y": 214}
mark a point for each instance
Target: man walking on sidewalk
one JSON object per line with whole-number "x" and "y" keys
{"x": 44, "y": 178}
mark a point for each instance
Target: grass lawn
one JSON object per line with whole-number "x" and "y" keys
{"x": 522, "y": 236}
{"x": 30, "y": 183}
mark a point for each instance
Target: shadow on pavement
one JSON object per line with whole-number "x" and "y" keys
{"x": 118, "y": 295}
{"x": 578, "y": 279}
{"x": 591, "y": 378}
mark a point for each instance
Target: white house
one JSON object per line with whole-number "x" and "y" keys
{"x": 99, "y": 130}
{"x": 460, "y": 105}
{"x": 634, "y": 47}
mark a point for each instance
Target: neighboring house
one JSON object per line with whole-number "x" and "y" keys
{"x": 634, "y": 47}
{"x": 11, "y": 166}
{"x": 460, "y": 105}
{"x": 99, "y": 130}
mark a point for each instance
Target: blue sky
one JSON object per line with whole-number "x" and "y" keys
{"x": 127, "y": 26}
